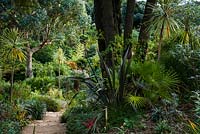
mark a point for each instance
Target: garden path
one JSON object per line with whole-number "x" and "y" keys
{"x": 49, "y": 125}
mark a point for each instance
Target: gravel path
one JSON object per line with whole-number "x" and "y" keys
{"x": 49, "y": 125}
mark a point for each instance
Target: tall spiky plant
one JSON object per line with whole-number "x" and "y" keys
{"x": 163, "y": 21}
{"x": 12, "y": 44}
{"x": 59, "y": 59}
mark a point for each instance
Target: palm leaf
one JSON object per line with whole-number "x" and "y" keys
{"x": 108, "y": 72}
{"x": 137, "y": 101}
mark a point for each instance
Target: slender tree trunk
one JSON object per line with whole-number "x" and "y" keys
{"x": 129, "y": 21}
{"x": 12, "y": 82}
{"x": 59, "y": 76}
{"x": 144, "y": 33}
{"x": 128, "y": 26}
{"x": 30, "y": 51}
{"x": 117, "y": 15}
{"x": 29, "y": 71}
{"x": 127, "y": 44}
{"x": 160, "y": 40}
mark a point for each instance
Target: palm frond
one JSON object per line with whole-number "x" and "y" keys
{"x": 155, "y": 79}
{"x": 137, "y": 101}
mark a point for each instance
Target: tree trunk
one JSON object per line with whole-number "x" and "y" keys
{"x": 29, "y": 57}
{"x": 127, "y": 44}
{"x": 58, "y": 76}
{"x": 160, "y": 40}
{"x": 117, "y": 15}
{"x": 12, "y": 82}
{"x": 144, "y": 33}
{"x": 128, "y": 26}
{"x": 98, "y": 23}
{"x": 29, "y": 71}
{"x": 109, "y": 30}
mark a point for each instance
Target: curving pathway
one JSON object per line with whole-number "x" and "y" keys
{"x": 49, "y": 125}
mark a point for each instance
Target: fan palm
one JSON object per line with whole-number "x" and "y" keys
{"x": 12, "y": 44}
{"x": 163, "y": 22}
{"x": 152, "y": 80}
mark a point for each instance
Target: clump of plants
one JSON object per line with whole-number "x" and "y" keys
{"x": 51, "y": 104}
{"x": 81, "y": 120}
{"x": 9, "y": 127}
{"x": 12, "y": 118}
{"x": 35, "y": 109}
{"x": 162, "y": 127}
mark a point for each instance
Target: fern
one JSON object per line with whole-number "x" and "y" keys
{"x": 78, "y": 53}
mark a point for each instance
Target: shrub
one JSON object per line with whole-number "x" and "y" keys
{"x": 79, "y": 120}
{"x": 4, "y": 90}
{"x": 35, "y": 109}
{"x": 41, "y": 83}
{"x": 185, "y": 62}
{"x": 21, "y": 91}
{"x": 163, "y": 127}
{"x": 6, "y": 111}
{"x": 55, "y": 93}
{"x": 9, "y": 127}
{"x": 13, "y": 112}
{"x": 196, "y": 100}
{"x": 51, "y": 104}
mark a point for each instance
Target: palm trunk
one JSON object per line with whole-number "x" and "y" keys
{"x": 160, "y": 40}
{"x": 12, "y": 82}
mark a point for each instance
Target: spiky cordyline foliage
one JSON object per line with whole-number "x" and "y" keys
{"x": 12, "y": 45}
{"x": 60, "y": 56}
{"x": 153, "y": 80}
{"x": 163, "y": 14}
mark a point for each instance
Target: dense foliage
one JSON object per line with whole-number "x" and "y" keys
{"x": 111, "y": 66}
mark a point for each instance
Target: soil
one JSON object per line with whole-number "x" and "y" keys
{"x": 49, "y": 125}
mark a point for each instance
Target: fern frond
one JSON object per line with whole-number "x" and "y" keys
{"x": 78, "y": 53}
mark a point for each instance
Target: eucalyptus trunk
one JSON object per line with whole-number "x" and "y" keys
{"x": 29, "y": 66}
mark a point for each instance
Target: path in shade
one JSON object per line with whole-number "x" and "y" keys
{"x": 49, "y": 125}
